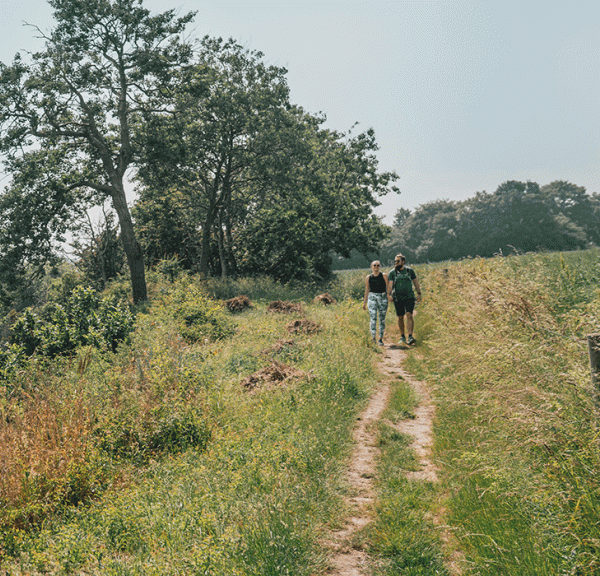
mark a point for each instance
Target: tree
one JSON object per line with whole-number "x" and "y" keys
{"x": 257, "y": 180}
{"x": 105, "y": 63}
{"x": 320, "y": 201}
{"x": 428, "y": 233}
{"x": 402, "y": 215}
{"x": 202, "y": 152}
{"x": 517, "y": 216}
{"x": 573, "y": 203}
{"x": 34, "y": 215}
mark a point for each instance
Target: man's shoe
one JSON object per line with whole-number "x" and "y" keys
{"x": 380, "y": 342}
{"x": 411, "y": 340}
{"x": 402, "y": 340}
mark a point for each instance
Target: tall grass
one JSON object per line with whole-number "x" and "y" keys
{"x": 188, "y": 472}
{"x": 516, "y": 423}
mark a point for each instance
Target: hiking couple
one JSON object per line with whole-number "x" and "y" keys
{"x": 397, "y": 285}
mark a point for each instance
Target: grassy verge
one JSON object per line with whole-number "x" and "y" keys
{"x": 516, "y": 425}
{"x": 193, "y": 472}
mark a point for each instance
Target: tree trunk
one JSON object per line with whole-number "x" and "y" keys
{"x": 222, "y": 255}
{"x": 229, "y": 248}
{"x": 205, "y": 246}
{"x": 133, "y": 249}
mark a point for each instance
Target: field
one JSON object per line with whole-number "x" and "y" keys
{"x": 216, "y": 442}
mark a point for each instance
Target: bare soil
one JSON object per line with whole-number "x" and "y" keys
{"x": 276, "y": 373}
{"x": 284, "y": 307}
{"x": 325, "y": 298}
{"x": 238, "y": 304}
{"x": 348, "y": 559}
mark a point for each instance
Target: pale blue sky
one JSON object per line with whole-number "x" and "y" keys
{"x": 463, "y": 94}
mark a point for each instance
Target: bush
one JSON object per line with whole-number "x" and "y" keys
{"x": 160, "y": 431}
{"x": 201, "y": 318}
{"x": 85, "y": 320}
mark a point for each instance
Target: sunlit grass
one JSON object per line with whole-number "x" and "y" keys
{"x": 403, "y": 538}
{"x": 516, "y": 426}
{"x": 157, "y": 460}
{"x": 257, "y": 496}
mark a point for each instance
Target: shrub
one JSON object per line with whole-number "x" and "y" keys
{"x": 163, "y": 430}
{"x": 85, "y": 319}
{"x": 201, "y": 318}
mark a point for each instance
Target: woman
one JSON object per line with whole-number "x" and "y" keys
{"x": 377, "y": 299}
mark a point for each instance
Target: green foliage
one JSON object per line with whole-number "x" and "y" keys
{"x": 137, "y": 436}
{"x": 239, "y": 181}
{"x": 85, "y": 320}
{"x": 202, "y": 319}
{"x": 518, "y": 217}
{"x": 100, "y": 253}
{"x": 259, "y": 499}
{"x": 66, "y": 126}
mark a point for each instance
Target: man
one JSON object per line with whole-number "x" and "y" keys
{"x": 400, "y": 289}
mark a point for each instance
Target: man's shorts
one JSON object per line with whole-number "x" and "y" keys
{"x": 404, "y": 306}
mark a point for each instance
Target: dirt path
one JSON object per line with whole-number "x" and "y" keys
{"x": 348, "y": 560}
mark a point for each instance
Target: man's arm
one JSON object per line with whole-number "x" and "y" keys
{"x": 417, "y": 288}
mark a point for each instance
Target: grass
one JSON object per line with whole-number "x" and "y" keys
{"x": 252, "y": 489}
{"x": 157, "y": 460}
{"x": 403, "y": 537}
{"x": 516, "y": 425}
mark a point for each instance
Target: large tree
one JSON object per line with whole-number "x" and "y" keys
{"x": 200, "y": 156}
{"x": 253, "y": 182}
{"x": 320, "y": 203}
{"x": 106, "y": 63}
{"x": 574, "y": 203}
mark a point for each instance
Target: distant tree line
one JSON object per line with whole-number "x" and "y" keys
{"x": 231, "y": 177}
{"x": 518, "y": 217}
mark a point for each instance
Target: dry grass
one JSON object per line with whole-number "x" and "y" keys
{"x": 45, "y": 448}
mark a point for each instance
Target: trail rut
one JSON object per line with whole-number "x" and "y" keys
{"x": 348, "y": 559}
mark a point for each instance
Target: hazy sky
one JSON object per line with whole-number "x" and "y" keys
{"x": 463, "y": 94}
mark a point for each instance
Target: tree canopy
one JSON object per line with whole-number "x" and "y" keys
{"x": 252, "y": 183}
{"x": 517, "y": 217}
{"x": 72, "y": 107}
{"x": 231, "y": 176}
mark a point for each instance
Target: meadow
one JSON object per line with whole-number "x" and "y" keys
{"x": 516, "y": 434}
{"x": 215, "y": 443}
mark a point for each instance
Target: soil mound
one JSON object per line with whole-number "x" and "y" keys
{"x": 325, "y": 298}
{"x": 280, "y": 306}
{"x": 276, "y": 373}
{"x": 303, "y": 326}
{"x": 238, "y": 304}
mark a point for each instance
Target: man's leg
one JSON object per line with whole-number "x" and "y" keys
{"x": 401, "y": 325}
{"x": 410, "y": 323}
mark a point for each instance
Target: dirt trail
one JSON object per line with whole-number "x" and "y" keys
{"x": 348, "y": 560}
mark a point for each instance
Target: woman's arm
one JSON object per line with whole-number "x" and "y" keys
{"x": 367, "y": 290}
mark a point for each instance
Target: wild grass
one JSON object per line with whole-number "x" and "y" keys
{"x": 516, "y": 424}
{"x": 157, "y": 460}
{"x": 185, "y": 470}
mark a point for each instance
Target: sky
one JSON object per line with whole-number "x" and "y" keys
{"x": 463, "y": 95}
